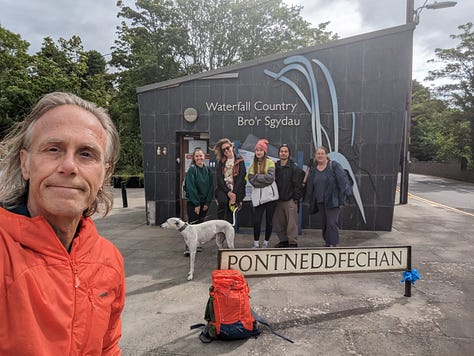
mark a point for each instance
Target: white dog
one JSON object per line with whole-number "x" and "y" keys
{"x": 198, "y": 234}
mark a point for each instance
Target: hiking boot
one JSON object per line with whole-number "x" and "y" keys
{"x": 282, "y": 244}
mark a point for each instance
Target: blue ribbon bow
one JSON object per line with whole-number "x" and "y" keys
{"x": 410, "y": 276}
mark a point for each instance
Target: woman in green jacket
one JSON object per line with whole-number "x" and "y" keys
{"x": 199, "y": 188}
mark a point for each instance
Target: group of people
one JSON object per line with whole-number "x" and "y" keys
{"x": 230, "y": 180}
{"x": 323, "y": 183}
{"x": 62, "y": 285}
{"x": 281, "y": 210}
{"x": 279, "y": 187}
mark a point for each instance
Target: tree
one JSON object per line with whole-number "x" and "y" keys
{"x": 97, "y": 83}
{"x": 165, "y": 39}
{"x": 56, "y": 67}
{"x": 224, "y": 32}
{"x": 15, "y": 95}
{"x": 146, "y": 51}
{"x": 65, "y": 66}
{"x": 437, "y": 133}
{"x": 149, "y": 43}
{"x": 459, "y": 70}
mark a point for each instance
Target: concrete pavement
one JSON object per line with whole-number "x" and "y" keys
{"x": 343, "y": 314}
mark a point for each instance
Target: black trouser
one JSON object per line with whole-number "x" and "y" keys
{"x": 194, "y": 218}
{"x": 269, "y": 209}
{"x": 224, "y": 212}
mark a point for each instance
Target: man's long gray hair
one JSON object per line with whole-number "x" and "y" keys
{"x": 14, "y": 189}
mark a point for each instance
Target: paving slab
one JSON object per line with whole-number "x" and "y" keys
{"x": 343, "y": 314}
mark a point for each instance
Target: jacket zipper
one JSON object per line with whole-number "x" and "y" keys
{"x": 77, "y": 282}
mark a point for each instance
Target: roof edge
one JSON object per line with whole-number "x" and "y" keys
{"x": 202, "y": 75}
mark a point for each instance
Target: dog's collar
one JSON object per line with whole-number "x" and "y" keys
{"x": 183, "y": 227}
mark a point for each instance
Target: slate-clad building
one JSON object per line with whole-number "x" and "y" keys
{"x": 349, "y": 95}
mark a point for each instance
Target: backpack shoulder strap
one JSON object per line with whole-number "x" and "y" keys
{"x": 198, "y": 325}
{"x": 263, "y": 321}
{"x": 204, "y": 336}
{"x": 331, "y": 167}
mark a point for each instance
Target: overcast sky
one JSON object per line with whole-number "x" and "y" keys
{"x": 95, "y": 21}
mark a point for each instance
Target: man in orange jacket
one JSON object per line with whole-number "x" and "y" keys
{"x": 62, "y": 286}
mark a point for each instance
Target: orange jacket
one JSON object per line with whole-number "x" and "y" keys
{"x": 55, "y": 303}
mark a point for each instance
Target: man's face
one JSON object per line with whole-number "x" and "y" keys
{"x": 65, "y": 163}
{"x": 284, "y": 153}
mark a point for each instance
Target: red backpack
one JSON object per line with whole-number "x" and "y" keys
{"x": 228, "y": 313}
{"x": 228, "y": 309}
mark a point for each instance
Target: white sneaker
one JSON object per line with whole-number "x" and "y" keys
{"x": 255, "y": 244}
{"x": 265, "y": 244}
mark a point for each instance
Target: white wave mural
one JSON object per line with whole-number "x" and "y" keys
{"x": 305, "y": 67}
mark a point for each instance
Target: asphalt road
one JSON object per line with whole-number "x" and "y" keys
{"x": 447, "y": 192}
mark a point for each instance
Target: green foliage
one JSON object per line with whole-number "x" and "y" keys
{"x": 64, "y": 66}
{"x": 458, "y": 72}
{"x": 224, "y": 32}
{"x": 148, "y": 43}
{"x": 164, "y": 39}
{"x": 125, "y": 115}
{"x": 15, "y": 95}
{"x": 438, "y": 132}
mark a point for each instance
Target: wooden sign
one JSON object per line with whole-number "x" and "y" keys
{"x": 298, "y": 261}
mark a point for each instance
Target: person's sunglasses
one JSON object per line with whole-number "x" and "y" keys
{"x": 226, "y": 148}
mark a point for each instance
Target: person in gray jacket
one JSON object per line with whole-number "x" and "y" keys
{"x": 288, "y": 178}
{"x": 262, "y": 174}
